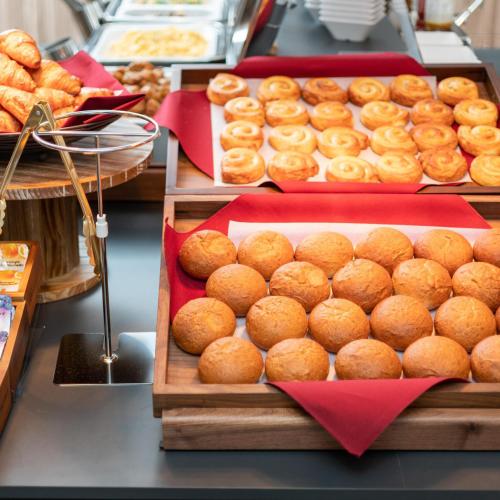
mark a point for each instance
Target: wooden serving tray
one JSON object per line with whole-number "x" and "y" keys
{"x": 198, "y": 416}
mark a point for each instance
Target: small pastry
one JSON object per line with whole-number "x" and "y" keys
{"x": 423, "y": 279}
{"x": 350, "y": 169}
{"x": 363, "y": 282}
{"x": 20, "y": 47}
{"x": 431, "y": 136}
{"x": 341, "y": 141}
{"x": 443, "y": 164}
{"x": 242, "y": 166}
{"x": 336, "y": 322}
{"x": 389, "y": 139}
{"x": 293, "y": 138}
{"x": 88, "y": 92}
{"x": 61, "y": 112}
{"x": 476, "y": 112}
{"x": 454, "y": 89}
{"x": 265, "y": 251}
{"x": 485, "y": 170}
{"x": 432, "y": 111}
{"x": 241, "y": 134}
{"x": 273, "y": 319}
{"x": 17, "y": 102}
{"x": 399, "y": 167}
{"x": 275, "y": 88}
{"x": 318, "y": 90}
{"x": 286, "y": 112}
{"x": 497, "y": 317}
{"x": 447, "y": 247}
{"x": 292, "y": 166}
{"x": 56, "y": 98}
{"x": 54, "y": 76}
{"x": 479, "y": 140}
{"x": 365, "y": 89}
{"x": 8, "y": 124}
{"x": 14, "y": 75}
{"x": 302, "y": 281}
{"x": 376, "y": 114}
{"x": 225, "y": 86}
{"x": 487, "y": 247}
{"x": 331, "y": 114}
{"x": 485, "y": 360}
{"x": 385, "y": 246}
{"x": 407, "y": 90}
{"x": 244, "y": 108}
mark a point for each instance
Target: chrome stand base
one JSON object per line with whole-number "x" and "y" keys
{"x": 81, "y": 360}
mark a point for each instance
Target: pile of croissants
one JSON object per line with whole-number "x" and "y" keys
{"x": 26, "y": 78}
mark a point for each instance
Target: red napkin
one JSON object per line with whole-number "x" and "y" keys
{"x": 264, "y": 16}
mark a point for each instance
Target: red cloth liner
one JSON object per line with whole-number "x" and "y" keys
{"x": 264, "y": 16}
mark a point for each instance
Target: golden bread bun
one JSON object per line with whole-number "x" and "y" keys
{"x": 485, "y": 360}
{"x": 273, "y": 319}
{"x": 365, "y": 89}
{"x": 331, "y": 114}
{"x": 241, "y": 134}
{"x": 230, "y": 360}
{"x": 389, "y": 139}
{"x": 224, "y": 87}
{"x": 265, "y": 251}
{"x": 292, "y": 166}
{"x": 201, "y": 321}
{"x": 244, "y": 108}
{"x": 479, "y": 140}
{"x": 431, "y": 136}
{"x": 363, "y": 282}
{"x": 242, "y": 166}
{"x": 275, "y": 88}
{"x": 205, "y": 251}
{"x": 367, "y": 359}
{"x": 350, "y": 169}
{"x": 485, "y": 170}
{"x": 454, "y": 89}
{"x": 432, "y": 111}
{"x": 423, "y": 279}
{"x": 297, "y": 359}
{"x": 341, "y": 141}
{"x": 407, "y": 90}
{"x": 497, "y": 318}
{"x": 474, "y": 112}
{"x": 465, "y": 320}
{"x": 443, "y": 164}
{"x": 399, "y": 167}
{"x": 380, "y": 113}
{"x": 236, "y": 285}
{"x": 435, "y": 356}
{"x": 318, "y": 90}
{"x": 293, "y": 138}
{"x": 328, "y": 250}
{"x": 385, "y": 246}
{"x": 487, "y": 247}
{"x": 286, "y": 112}
{"x": 336, "y": 322}
{"x": 302, "y": 281}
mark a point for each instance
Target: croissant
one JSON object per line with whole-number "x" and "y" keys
{"x": 52, "y": 75}
{"x": 87, "y": 92}
{"x": 14, "y": 75}
{"x": 56, "y": 98}
{"x": 61, "y": 112}
{"x": 8, "y": 123}
{"x": 17, "y": 102}
{"x": 19, "y": 46}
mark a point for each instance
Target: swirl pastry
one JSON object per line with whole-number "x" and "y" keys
{"x": 454, "y": 89}
{"x": 476, "y": 112}
{"x": 318, "y": 90}
{"x": 430, "y": 136}
{"x": 278, "y": 87}
{"x": 379, "y": 113}
{"x": 407, "y": 90}
{"x": 241, "y": 134}
{"x": 341, "y": 141}
{"x": 286, "y": 112}
{"x": 399, "y": 167}
{"x": 331, "y": 114}
{"x": 432, "y": 111}
{"x": 365, "y": 89}
{"x": 293, "y": 138}
{"x": 350, "y": 169}
{"x": 224, "y": 87}
{"x": 443, "y": 164}
{"x": 241, "y": 166}
{"x": 392, "y": 139}
{"x": 480, "y": 140}
{"x": 292, "y": 166}
{"x": 485, "y": 170}
{"x": 244, "y": 108}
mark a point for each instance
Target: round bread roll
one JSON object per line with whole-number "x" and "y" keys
{"x": 278, "y": 87}
{"x": 297, "y": 138}
{"x": 485, "y": 170}
{"x": 363, "y": 282}
{"x": 273, "y": 319}
{"x": 265, "y": 251}
{"x": 447, "y": 247}
{"x": 297, "y": 359}
{"x": 497, "y": 317}
{"x": 399, "y": 167}
{"x": 328, "y": 250}
{"x": 485, "y": 360}
{"x": 377, "y": 114}
{"x": 487, "y": 247}
{"x": 302, "y": 281}
{"x": 431, "y": 136}
{"x": 238, "y": 286}
{"x": 435, "y": 357}
{"x": 390, "y": 139}
{"x": 205, "y": 251}
{"x": 365, "y": 89}
{"x": 225, "y": 86}
{"x": 201, "y": 321}
{"x": 292, "y": 166}
{"x": 454, "y": 89}
{"x": 341, "y": 141}
{"x": 244, "y": 108}
{"x": 479, "y": 140}
{"x": 241, "y": 166}
{"x": 230, "y": 360}
{"x": 423, "y": 279}
{"x": 317, "y": 90}
{"x": 331, "y": 114}
{"x": 432, "y": 111}
{"x": 385, "y": 246}
{"x": 286, "y": 112}
{"x": 465, "y": 320}
{"x": 367, "y": 359}
{"x": 336, "y": 322}
{"x": 476, "y": 112}
{"x": 400, "y": 320}
{"x": 480, "y": 280}
{"x": 444, "y": 164}
{"x": 241, "y": 134}
{"x": 407, "y": 90}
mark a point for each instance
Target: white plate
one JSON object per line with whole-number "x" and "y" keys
{"x": 350, "y": 21}
{"x": 345, "y": 16}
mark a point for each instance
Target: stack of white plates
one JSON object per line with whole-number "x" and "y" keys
{"x": 351, "y": 19}
{"x": 313, "y": 6}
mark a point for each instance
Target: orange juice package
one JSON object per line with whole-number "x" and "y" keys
{"x": 13, "y": 256}
{"x": 10, "y": 280}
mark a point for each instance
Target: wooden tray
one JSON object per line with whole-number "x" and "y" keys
{"x": 204, "y": 417}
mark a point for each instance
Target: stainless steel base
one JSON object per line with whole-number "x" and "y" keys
{"x": 81, "y": 360}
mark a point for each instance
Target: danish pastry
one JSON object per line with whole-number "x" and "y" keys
{"x": 224, "y": 87}
{"x": 399, "y": 167}
{"x": 318, "y": 90}
{"x": 278, "y": 87}
{"x": 388, "y": 139}
{"x": 443, "y": 164}
{"x": 476, "y": 112}
{"x": 454, "y": 89}
{"x": 485, "y": 170}
{"x": 365, "y": 89}
{"x": 241, "y": 134}
{"x": 407, "y": 90}
{"x": 293, "y": 138}
{"x": 331, "y": 114}
{"x": 242, "y": 166}
{"x": 379, "y": 113}
{"x": 244, "y": 108}
{"x": 292, "y": 166}
{"x": 341, "y": 141}
{"x": 479, "y": 140}
{"x": 286, "y": 112}
{"x": 431, "y": 136}
{"x": 350, "y": 169}
{"x": 432, "y": 111}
